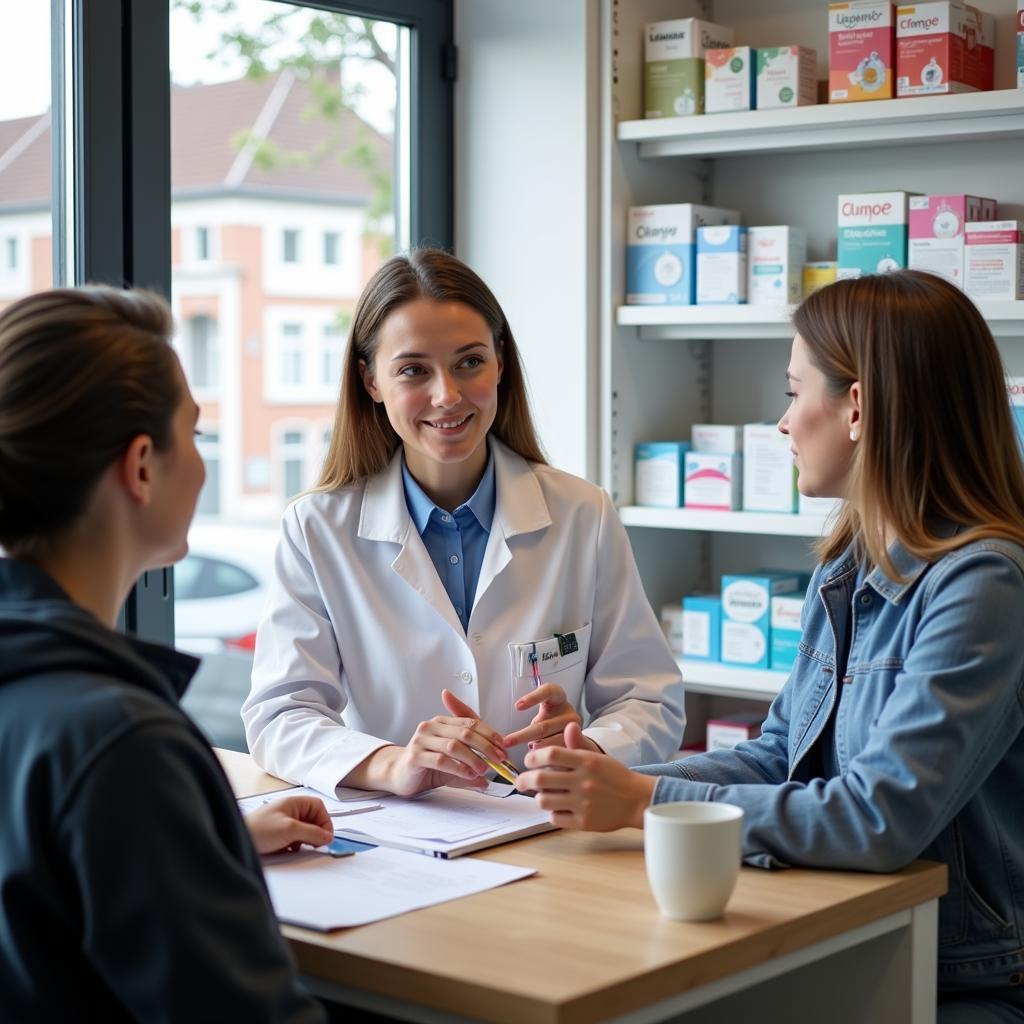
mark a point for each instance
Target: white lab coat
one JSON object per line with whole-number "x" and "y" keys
{"x": 359, "y": 635}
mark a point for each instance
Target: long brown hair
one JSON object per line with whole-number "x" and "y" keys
{"x": 363, "y": 440}
{"x": 83, "y": 371}
{"x": 937, "y": 440}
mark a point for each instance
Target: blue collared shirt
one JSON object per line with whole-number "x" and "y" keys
{"x": 455, "y": 541}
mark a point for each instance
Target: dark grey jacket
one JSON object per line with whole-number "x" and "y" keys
{"x": 129, "y": 887}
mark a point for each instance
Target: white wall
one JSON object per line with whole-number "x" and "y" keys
{"x": 526, "y": 197}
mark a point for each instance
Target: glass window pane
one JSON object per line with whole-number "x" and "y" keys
{"x": 25, "y": 192}
{"x": 282, "y": 173}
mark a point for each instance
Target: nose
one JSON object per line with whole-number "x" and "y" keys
{"x": 784, "y": 424}
{"x": 445, "y": 392}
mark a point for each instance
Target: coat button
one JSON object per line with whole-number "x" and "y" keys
{"x": 466, "y": 677}
{"x": 865, "y": 599}
{"x": 1016, "y": 978}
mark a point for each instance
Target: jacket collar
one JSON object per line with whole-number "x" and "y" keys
{"x": 906, "y": 563}
{"x": 519, "y": 507}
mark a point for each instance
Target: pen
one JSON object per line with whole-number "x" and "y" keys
{"x": 505, "y": 769}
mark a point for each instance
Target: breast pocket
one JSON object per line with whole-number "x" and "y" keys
{"x": 561, "y": 658}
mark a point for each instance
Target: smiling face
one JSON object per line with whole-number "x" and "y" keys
{"x": 436, "y": 371}
{"x": 819, "y": 426}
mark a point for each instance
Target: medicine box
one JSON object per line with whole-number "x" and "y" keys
{"x": 936, "y": 241}
{"x": 721, "y": 265}
{"x": 981, "y": 58}
{"x": 994, "y": 260}
{"x": 729, "y": 79}
{"x": 775, "y": 256}
{"x": 702, "y": 627}
{"x": 861, "y": 51}
{"x": 729, "y": 730}
{"x": 661, "y": 251}
{"x": 658, "y": 473}
{"x": 931, "y": 49}
{"x": 787, "y": 76}
{"x": 746, "y": 615}
{"x": 672, "y": 626}
{"x": 674, "y": 65}
{"x": 712, "y": 481}
{"x": 817, "y": 275}
{"x": 785, "y": 642}
{"x": 769, "y": 474}
{"x": 872, "y": 235}
{"x": 1020, "y": 44}
{"x": 719, "y": 438}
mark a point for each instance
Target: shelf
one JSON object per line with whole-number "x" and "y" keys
{"x": 768, "y": 523}
{"x": 921, "y": 120}
{"x": 728, "y": 681}
{"x": 718, "y": 323}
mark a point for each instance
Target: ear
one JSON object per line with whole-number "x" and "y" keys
{"x": 369, "y": 381}
{"x": 855, "y": 407}
{"x": 135, "y": 470}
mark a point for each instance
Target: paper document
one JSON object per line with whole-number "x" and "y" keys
{"x": 312, "y": 890}
{"x": 335, "y": 808}
{"x": 446, "y": 822}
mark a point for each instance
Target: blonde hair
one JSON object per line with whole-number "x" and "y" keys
{"x": 937, "y": 439}
{"x": 363, "y": 440}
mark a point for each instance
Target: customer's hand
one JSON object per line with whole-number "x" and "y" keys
{"x": 554, "y": 713}
{"x": 289, "y": 822}
{"x": 583, "y": 789}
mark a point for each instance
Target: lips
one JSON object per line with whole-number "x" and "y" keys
{"x": 450, "y": 424}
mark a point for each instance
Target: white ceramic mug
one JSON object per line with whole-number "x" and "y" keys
{"x": 692, "y": 853}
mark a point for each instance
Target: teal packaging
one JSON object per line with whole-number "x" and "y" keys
{"x": 785, "y": 632}
{"x": 872, "y": 233}
{"x": 659, "y": 473}
{"x": 746, "y": 616}
{"x": 702, "y": 627}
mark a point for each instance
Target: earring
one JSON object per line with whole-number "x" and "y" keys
{"x": 854, "y": 435}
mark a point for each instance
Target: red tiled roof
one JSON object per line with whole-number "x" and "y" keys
{"x": 207, "y": 122}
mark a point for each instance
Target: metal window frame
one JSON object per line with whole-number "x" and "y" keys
{"x": 112, "y": 220}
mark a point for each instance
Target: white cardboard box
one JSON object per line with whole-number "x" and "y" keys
{"x": 769, "y": 473}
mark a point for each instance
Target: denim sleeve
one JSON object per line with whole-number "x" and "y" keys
{"x": 952, "y": 717}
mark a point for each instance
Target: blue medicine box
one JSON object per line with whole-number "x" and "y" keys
{"x": 785, "y": 631}
{"x": 659, "y": 473}
{"x": 746, "y": 616}
{"x": 702, "y": 627}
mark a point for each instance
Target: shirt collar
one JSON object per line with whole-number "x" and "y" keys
{"x": 481, "y": 504}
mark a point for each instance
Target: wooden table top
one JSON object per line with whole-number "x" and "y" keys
{"x": 583, "y": 940}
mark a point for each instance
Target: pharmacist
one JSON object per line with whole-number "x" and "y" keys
{"x": 900, "y": 731}
{"x": 443, "y": 597}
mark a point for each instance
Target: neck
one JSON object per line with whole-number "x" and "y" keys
{"x": 448, "y": 485}
{"x": 92, "y": 568}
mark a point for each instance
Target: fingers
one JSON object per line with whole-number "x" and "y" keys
{"x": 460, "y": 738}
{"x": 550, "y": 692}
{"x": 574, "y": 737}
{"x": 541, "y": 729}
{"x": 314, "y": 835}
{"x": 457, "y": 707}
{"x": 558, "y": 757}
{"x": 305, "y": 808}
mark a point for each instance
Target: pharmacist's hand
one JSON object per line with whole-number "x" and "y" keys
{"x": 583, "y": 789}
{"x": 289, "y": 822}
{"x": 445, "y": 751}
{"x": 554, "y": 713}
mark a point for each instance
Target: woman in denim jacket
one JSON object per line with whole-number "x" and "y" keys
{"x": 899, "y": 732}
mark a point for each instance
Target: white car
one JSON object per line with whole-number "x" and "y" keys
{"x": 220, "y": 588}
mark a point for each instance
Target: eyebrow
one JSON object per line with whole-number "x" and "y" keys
{"x": 426, "y": 355}
{"x": 790, "y": 376}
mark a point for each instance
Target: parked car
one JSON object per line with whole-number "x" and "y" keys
{"x": 220, "y": 588}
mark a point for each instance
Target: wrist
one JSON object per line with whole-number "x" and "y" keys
{"x": 645, "y": 785}
{"x": 378, "y": 771}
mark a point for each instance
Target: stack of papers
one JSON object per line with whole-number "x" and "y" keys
{"x": 314, "y": 890}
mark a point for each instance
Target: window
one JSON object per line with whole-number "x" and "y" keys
{"x": 293, "y": 462}
{"x": 290, "y": 239}
{"x": 202, "y": 354}
{"x": 332, "y": 354}
{"x": 11, "y": 249}
{"x": 331, "y": 243}
{"x": 198, "y": 576}
{"x": 293, "y": 355}
{"x": 208, "y": 445}
{"x": 202, "y": 244}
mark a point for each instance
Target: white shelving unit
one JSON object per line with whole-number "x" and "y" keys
{"x": 665, "y": 368}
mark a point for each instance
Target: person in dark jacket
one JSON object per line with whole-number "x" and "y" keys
{"x": 130, "y": 887}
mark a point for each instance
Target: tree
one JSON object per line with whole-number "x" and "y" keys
{"x": 315, "y": 46}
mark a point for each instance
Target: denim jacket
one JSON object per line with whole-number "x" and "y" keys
{"x": 928, "y": 737}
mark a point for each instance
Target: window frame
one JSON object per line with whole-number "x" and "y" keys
{"x": 112, "y": 184}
